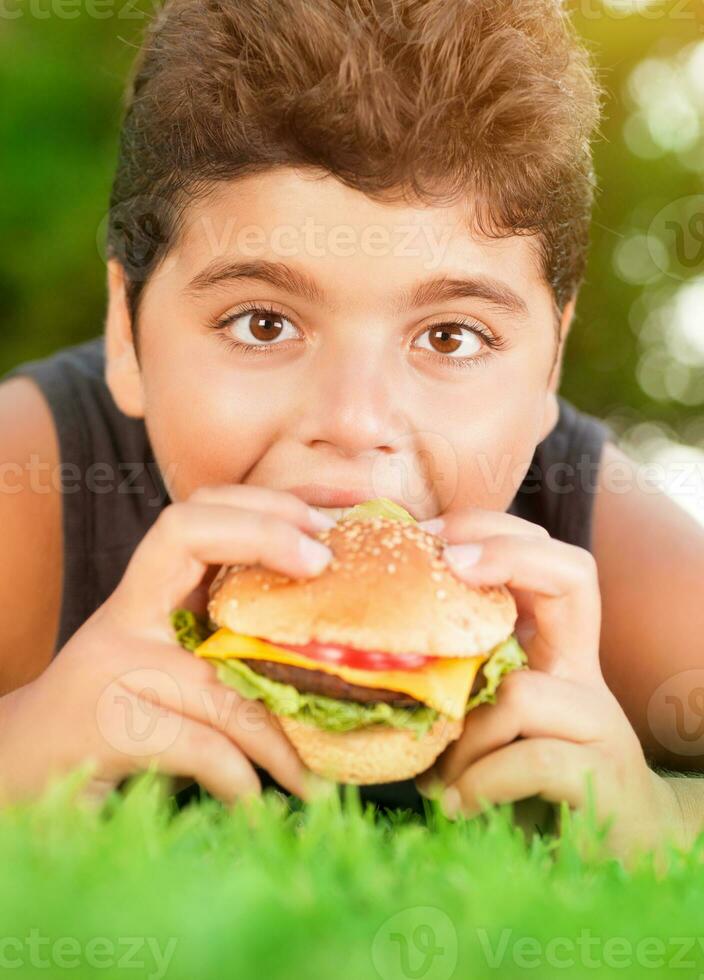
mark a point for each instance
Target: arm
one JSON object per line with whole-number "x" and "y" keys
{"x": 30, "y": 518}
{"x": 650, "y": 559}
{"x": 556, "y": 730}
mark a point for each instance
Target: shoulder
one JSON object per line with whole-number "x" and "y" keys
{"x": 650, "y": 558}
{"x": 30, "y": 515}
{"x": 104, "y": 488}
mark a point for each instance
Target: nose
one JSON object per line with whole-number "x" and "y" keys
{"x": 354, "y": 403}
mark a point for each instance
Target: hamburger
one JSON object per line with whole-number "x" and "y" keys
{"x": 371, "y": 666}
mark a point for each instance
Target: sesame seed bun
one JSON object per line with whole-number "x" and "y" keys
{"x": 387, "y": 588}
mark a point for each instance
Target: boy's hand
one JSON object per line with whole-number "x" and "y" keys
{"x": 556, "y": 722}
{"x": 123, "y": 694}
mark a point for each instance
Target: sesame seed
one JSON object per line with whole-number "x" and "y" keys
{"x": 391, "y": 568}
{"x": 441, "y": 594}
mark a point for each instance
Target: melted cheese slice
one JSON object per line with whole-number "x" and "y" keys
{"x": 444, "y": 683}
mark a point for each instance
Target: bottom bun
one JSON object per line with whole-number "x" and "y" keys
{"x": 376, "y": 754}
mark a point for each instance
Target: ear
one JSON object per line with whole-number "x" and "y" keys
{"x": 122, "y": 372}
{"x": 552, "y": 407}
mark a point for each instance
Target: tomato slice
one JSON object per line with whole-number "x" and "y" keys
{"x": 361, "y": 659}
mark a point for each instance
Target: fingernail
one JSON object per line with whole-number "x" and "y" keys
{"x": 321, "y": 522}
{"x": 435, "y": 526}
{"x": 314, "y": 554}
{"x": 462, "y": 556}
{"x": 451, "y": 801}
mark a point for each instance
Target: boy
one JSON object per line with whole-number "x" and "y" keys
{"x": 345, "y": 251}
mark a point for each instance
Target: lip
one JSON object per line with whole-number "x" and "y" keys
{"x": 319, "y": 495}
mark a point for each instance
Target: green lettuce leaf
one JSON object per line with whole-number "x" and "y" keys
{"x": 333, "y": 714}
{"x": 283, "y": 699}
{"x": 191, "y": 629}
{"x": 315, "y": 709}
{"x": 343, "y": 716}
{"x": 503, "y": 659}
{"x": 379, "y": 507}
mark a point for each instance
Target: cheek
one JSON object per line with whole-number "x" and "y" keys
{"x": 493, "y": 445}
{"x": 211, "y": 428}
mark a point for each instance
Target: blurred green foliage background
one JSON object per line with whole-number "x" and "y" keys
{"x": 636, "y": 350}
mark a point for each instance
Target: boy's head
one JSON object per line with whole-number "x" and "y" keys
{"x": 390, "y": 201}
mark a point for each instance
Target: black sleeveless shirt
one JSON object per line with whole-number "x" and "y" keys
{"x": 112, "y": 490}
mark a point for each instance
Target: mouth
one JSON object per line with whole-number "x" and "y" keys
{"x": 336, "y": 502}
{"x": 336, "y": 513}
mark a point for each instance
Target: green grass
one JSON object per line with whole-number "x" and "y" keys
{"x": 279, "y": 890}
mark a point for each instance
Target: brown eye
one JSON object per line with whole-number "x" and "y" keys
{"x": 452, "y": 339}
{"x": 260, "y": 328}
{"x": 265, "y": 327}
{"x": 446, "y": 339}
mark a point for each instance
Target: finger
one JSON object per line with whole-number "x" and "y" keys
{"x": 529, "y": 704}
{"x": 211, "y": 759}
{"x": 554, "y": 770}
{"x": 563, "y": 580}
{"x": 138, "y": 733}
{"x": 470, "y": 522}
{"x": 280, "y": 503}
{"x": 172, "y": 558}
{"x": 195, "y": 692}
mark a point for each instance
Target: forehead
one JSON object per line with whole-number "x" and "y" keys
{"x": 313, "y": 221}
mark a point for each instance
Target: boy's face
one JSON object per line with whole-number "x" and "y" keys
{"x": 362, "y": 380}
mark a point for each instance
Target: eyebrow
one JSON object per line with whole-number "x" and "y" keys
{"x": 282, "y": 276}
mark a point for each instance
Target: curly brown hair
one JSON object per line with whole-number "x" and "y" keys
{"x": 493, "y": 101}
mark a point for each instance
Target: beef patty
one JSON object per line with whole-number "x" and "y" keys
{"x": 318, "y": 682}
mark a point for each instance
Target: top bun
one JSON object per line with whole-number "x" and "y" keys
{"x": 387, "y": 588}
